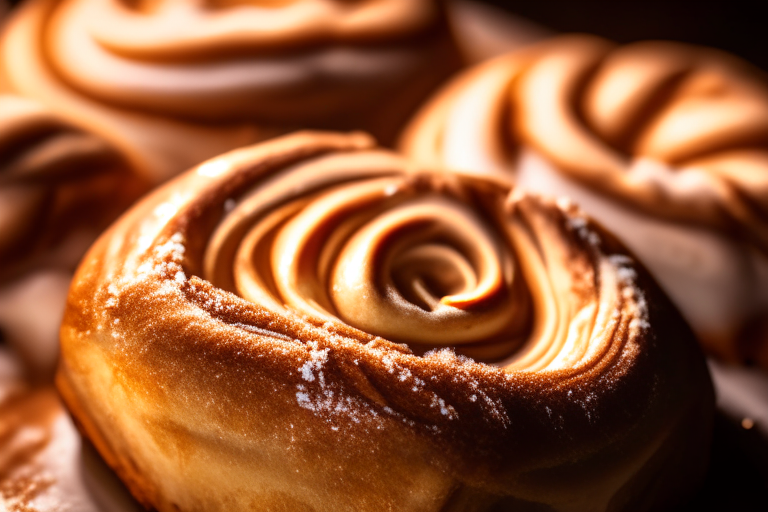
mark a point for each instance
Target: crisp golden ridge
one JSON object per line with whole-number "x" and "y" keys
{"x": 53, "y": 178}
{"x": 267, "y": 331}
{"x": 675, "y": 133}
{"x": 173, "y": 83}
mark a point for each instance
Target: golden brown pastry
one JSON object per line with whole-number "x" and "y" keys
{"x": 172, "y": 83}
{"x": 59, "y": 187}
{"x": 665, "y": 144}
{"x": 313, "y": 323}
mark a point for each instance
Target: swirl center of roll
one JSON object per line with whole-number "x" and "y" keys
{"x": 407, "y": 262}
{"x": 427, "y": 271}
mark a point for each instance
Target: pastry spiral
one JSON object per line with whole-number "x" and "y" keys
{"x": 59, "y": 187}
{"x": 313, "y": 323}
{"x": 665, "y": 144}
{"x": 173, "y": 83}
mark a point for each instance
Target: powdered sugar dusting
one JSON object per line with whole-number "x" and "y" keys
{"x": 264, "y": 332}
{"x": 324, "y": 397}
{"x": 631, "y": 293}
{"x": 461, "y": 367}
{"x": 173, "y": 249}
{"x": 313, "y": 366}
{"x": 578, "y": 222}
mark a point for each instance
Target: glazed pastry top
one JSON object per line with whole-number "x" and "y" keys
{"x": 424, "y": 258}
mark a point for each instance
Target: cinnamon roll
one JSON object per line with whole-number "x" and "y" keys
{"x": 59, "y": 187}
{"x": 665, "y": 144}
{"x": 172, "y": 83}
{"x": 313, "y": 323}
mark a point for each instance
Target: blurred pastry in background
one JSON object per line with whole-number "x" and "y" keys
{"x": 59, "y": 188}
{"x": 665, "y": 144}
{"x": 172, "y": 83}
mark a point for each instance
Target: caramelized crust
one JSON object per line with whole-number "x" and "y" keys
{"x": 316, "y": 324}
{"x": 646, "y": 137}
{"x": 174, "y": 83}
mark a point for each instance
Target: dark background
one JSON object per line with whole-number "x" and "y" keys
{"x": 735, "y": 26}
